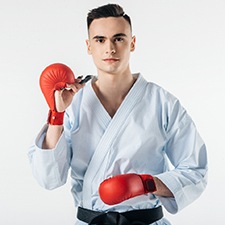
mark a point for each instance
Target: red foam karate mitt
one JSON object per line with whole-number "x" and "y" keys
{"x": 119, "y": 188}
{"x": 55, "y": 77}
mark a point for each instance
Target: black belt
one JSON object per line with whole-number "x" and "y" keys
{"x": 134, "y": 217}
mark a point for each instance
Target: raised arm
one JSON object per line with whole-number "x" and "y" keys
{"x": 58, "y": 85}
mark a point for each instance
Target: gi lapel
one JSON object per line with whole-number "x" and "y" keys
{"x": 132, "y": 98}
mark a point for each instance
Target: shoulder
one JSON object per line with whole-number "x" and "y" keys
{"x": 166, "y": 104}
{"x": 160, "y": 94}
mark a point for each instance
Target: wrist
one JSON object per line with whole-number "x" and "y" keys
{"x": 52, "y": 137}
{"x": 55, "y": 118}
{"x": 162, "y": 189}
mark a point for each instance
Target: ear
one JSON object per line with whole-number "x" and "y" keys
{"x": 88, "y": 46}
{"x": 133, "y": 43}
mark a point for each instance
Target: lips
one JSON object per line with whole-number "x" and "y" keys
{"x": 111, "y": 60}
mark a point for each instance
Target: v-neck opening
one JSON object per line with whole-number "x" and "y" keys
{"x": 136, "y": 75}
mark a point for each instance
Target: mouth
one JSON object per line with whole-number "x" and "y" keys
{"x": 111, "y": 60}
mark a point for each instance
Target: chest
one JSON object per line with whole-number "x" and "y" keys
{"x": 137, "y": 144}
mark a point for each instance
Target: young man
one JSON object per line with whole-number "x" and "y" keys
{"x": 118, "y": 133}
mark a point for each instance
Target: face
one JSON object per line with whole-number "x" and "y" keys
{"x": 110, "y": 44}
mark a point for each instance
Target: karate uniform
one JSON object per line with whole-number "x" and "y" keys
{"x": 151, "y": 133}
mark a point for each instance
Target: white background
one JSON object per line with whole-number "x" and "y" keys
{"x": 180, "y": 46}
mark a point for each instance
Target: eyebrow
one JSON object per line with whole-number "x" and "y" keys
{"x": 115, "y": 35}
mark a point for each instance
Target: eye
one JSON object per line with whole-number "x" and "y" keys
{"x": 118, "y": 39}
{"x": 100, "y": 40}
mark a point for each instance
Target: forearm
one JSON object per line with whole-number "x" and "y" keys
{"x": 161, "y": 188}
{"x": 49, "y": 167}
{"x": 53, "y": 134}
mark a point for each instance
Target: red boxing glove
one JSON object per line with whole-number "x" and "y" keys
{"x": 122, "y": 187}
{"x": 55, "y": 77}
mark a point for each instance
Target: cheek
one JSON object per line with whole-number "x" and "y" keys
{"x": 124, "y": 49}
{"x": 125, "y": 52}
{"x": 95, "y": 51}
{"x": 96, "y": 56}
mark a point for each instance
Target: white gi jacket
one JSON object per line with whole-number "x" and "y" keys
{"x": 149, "y": 129}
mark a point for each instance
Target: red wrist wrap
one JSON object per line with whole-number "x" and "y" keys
{"x": 55, "y": 118}
{"x": 148, "y": 183}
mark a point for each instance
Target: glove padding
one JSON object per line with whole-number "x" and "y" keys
{"x": 55, "y": 77}
{"x": 122, "y": 187}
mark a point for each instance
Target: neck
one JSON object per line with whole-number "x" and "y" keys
{"x": 112, "y": 89}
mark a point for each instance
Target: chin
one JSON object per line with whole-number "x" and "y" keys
{"x": 109, "y": 70}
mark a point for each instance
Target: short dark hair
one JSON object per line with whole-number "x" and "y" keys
{"x": 109, "y": 10}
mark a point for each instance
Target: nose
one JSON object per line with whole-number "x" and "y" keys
{"x": 110, "y": 48}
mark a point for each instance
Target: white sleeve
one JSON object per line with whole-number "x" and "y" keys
{"x": 187, "y": 153}
{"x": 50, "y": 167}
